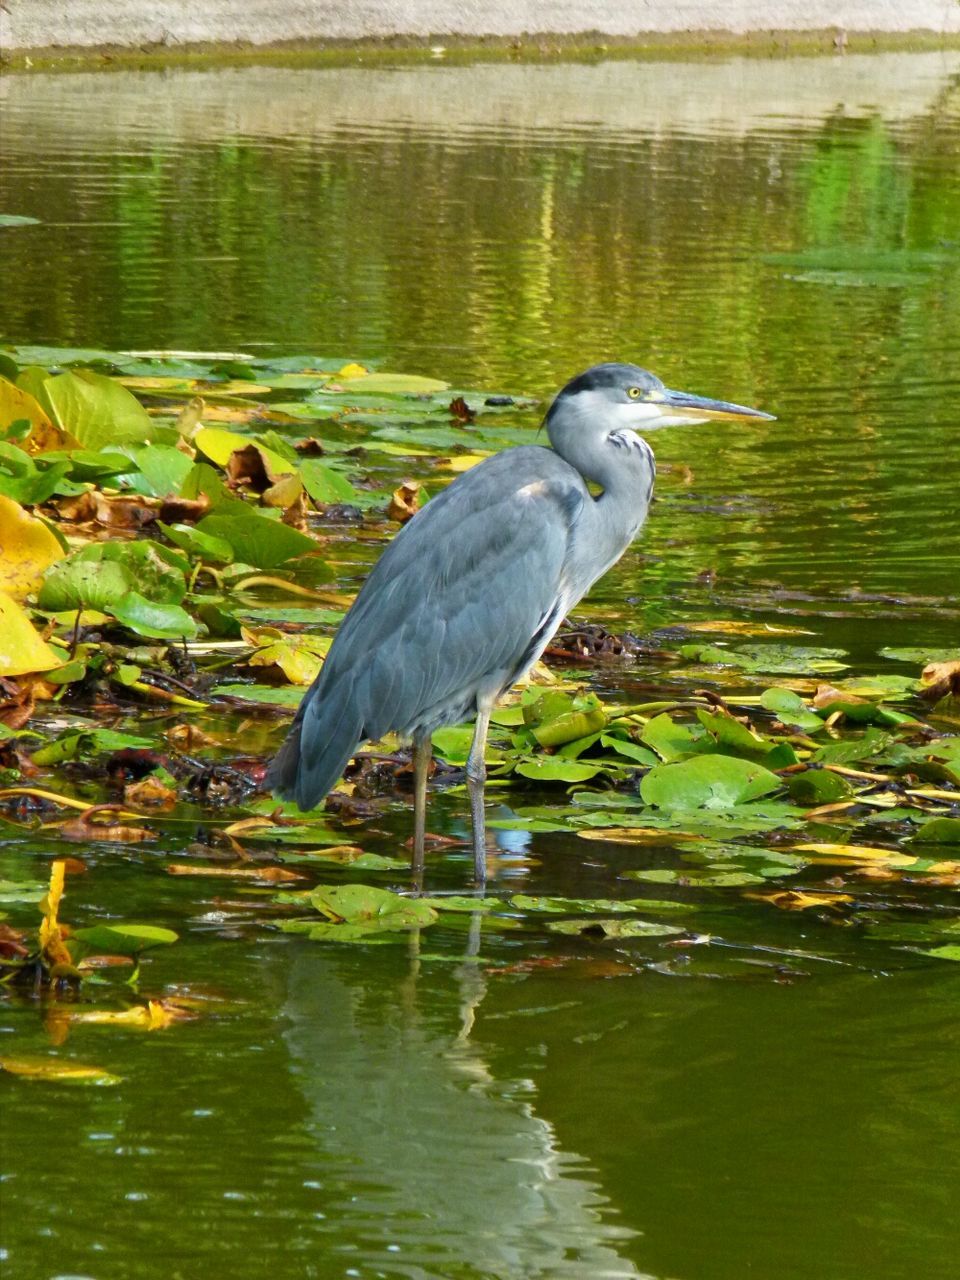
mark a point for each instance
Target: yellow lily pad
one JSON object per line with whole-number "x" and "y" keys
{"x": 219, "y": 445}
{"x": 21, "y": 649}
{"x": 27, "y": 547}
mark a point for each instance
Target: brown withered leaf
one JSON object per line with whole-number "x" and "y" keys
{"x": 460, "y": 410}
{"x": 187, "y": 737}
{"x": 17, "y": 703}
{"x": 112, "y": 513}
{"x": 246, "y": 469}
{"x": 800, "y": 900}
{"x": 940, "y": 679}
{"x": 81, "y": 509}
{"x": 94, "y": 824}
{"x": 184, "y": 510}
{"x": 310, "y": 448}
{"x": 105, "y": 962}
{"x": 151, "y": 793}
{"x": 12, "y": 942}
{"x": 268, "y": 875}
{"x": 827, "y": 696}
{"x": 296, "y": 514}
{"x": 405, "y": 501}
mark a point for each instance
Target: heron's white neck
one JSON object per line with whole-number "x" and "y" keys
{"x": 620, "y": 462}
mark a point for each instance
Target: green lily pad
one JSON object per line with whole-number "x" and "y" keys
{"x": 96, "y": 410}
{"x": 567, "y": 906}
{"x": 921, "y": 657}
{"x": 938, "y": 831}
{"x": 557, "y": 769}
{"x": 672, "y": 741}
{"x": 282, "y": 695}
{"x": 153, "y": 619}
{"x": 706, "y": 877}
{"x": 257, "y": 539}
{"x": 22, "y": 891}
{"x": 707, "y": 782}
{"x": 101, "y": 573}
{"x": 353, "y": 911}
{"x": 326, "y": 485}
{"x": 613, "y": 928}
{"x": 817, "y": 786}
{"x": 791, "y": 709}
{"x": 124, "y": 939}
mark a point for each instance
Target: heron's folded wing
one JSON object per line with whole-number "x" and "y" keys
{"x": 462, "y": 592}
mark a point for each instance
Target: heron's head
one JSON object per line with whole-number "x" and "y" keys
{"x": 618, "y": 397}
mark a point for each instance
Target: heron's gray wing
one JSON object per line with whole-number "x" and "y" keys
{"x": 465, "y": 595}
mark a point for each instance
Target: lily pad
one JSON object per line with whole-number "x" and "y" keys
{"x": 354, "y": 910}
{"x": 707, "y": 782}
{"x": 567, "y": 906}
{"x": 557, "y": 769}
{"x": 59, "y": 1071}
{"x": 257, "y": 539}
{"x": 124, "y": 939}
{"x": 613, "y": 928}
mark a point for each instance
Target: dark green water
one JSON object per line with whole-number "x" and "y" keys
{"x": 402, "y": 1111}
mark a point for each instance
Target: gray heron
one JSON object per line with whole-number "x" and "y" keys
{"x": 468, "y": 594}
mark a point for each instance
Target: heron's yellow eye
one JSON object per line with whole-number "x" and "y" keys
{"x": 633, "y": 392}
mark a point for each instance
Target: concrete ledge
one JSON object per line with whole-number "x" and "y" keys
{"x": 172, "y": 24}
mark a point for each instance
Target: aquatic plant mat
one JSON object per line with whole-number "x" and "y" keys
{"x": 181, "y": 534}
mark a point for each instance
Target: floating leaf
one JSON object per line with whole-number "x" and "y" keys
{"x": 96, "y": 411}
{"x": 257, "y": 539}
{"x": 672, "y": 741}
{"x": 28, "y": 549}
{"x": 124, "y": 939}
{"x": 567, "y": 906}
{"x": 817, "y": 786}
{"x": 921, "y": 657}
{"x": 326, "y": 485}
{"x": 791, "y": 709}
{"x": 59, "y": 1071}
{"x": 153, "y": 619}
{"x": 938, "y": 831}
{"x": 100, "y": 574}
{"x": 707, "y": 782}
{"x": 800, "y": 900}
{"x": 556, "y": 769}
{"x": 405, "y": 384}
{"x": 613, "y": 928}
{"x": 354, "y": 910}
{"x": 21, "y": 649}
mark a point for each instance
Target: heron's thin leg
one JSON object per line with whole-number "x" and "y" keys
{"x": 422, "y": 753}
{"x": 476, "y": 776}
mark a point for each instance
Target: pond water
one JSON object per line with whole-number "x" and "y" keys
{"x": 485, "y": 1102}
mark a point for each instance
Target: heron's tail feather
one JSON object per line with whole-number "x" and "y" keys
{"x": 324, "y": 735}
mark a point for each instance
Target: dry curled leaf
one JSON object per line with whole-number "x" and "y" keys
{"x": 405, "y": 501}
{"x": 187, "y": 737}
{"x": 151, "y": 793}
{"x": 799, "y": 899}
{"x": 95, "y": 824}
{"x": 939, "y": 680}
{"x": 269, "y": 875}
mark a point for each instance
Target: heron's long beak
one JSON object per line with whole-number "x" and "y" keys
{"x": 680, "y": 406}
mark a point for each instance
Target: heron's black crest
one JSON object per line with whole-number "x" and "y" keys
{"x": 611, "y": 376}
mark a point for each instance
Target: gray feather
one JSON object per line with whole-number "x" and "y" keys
{"x": 440, "y": 615}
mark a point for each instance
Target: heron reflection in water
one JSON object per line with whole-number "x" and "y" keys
{"x": 467, "y": 596}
